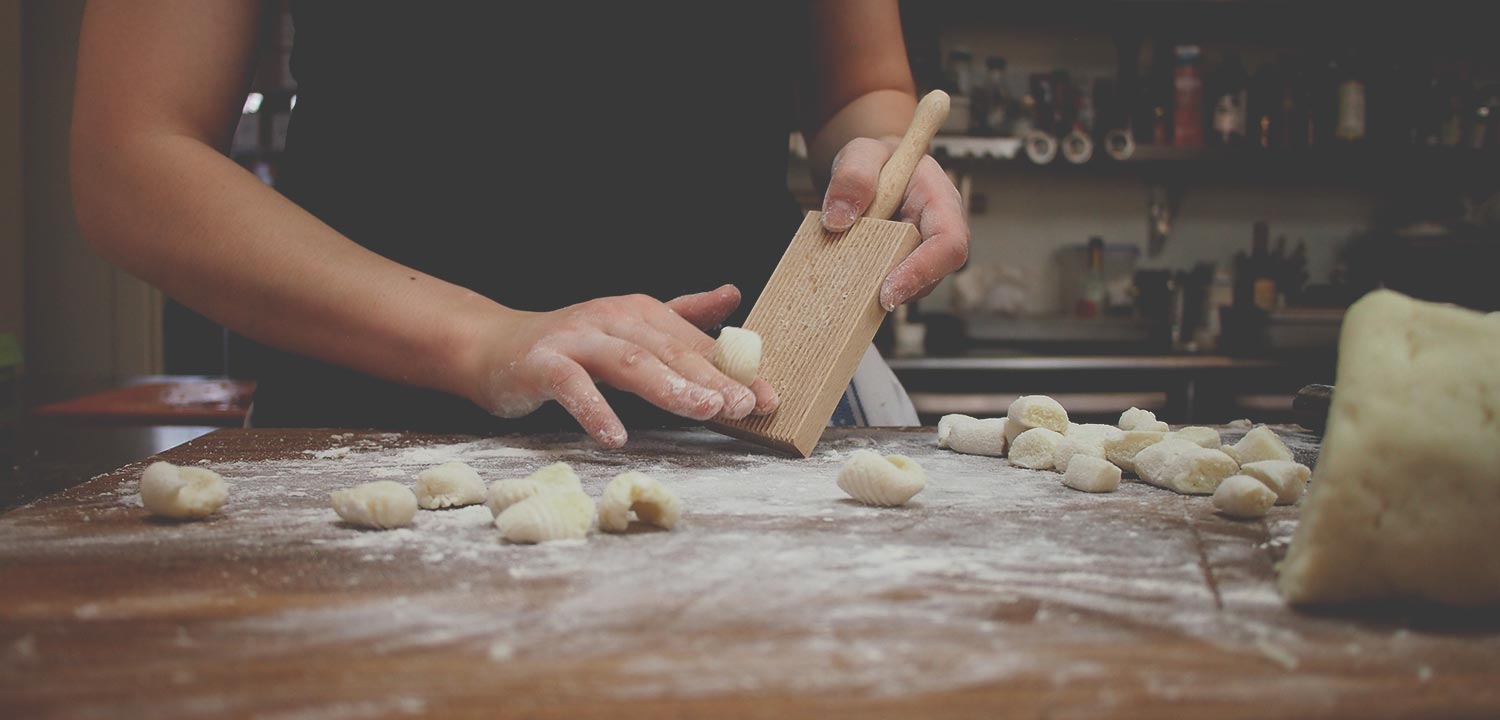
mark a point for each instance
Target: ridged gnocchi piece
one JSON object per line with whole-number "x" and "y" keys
{"x": 182, "y": 493}
{"x": 505, "y": 493}
{"x": 652, "y": 503}
{"x": 737, "y": 354}
{"x": 978, "y": 437}
{"x": 886, "y": 481}
{"x": 945, "y": 427}
{"x": 382, "y": 505}
{"x": 452, "y": 484}
{"x": 548, "y": 516}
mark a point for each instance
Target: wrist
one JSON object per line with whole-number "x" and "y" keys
{"x": 476, "y": 334}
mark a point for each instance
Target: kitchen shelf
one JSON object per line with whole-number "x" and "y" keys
{"x": 1361, "y": 164}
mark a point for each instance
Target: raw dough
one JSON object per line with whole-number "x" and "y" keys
{"x": 884, "y": 481}
{"x": 1091, "y": 474}
{"x": 1243, "y": 496}
{"x": 1092, "y": 429}
{"x": 945, "y": 426}
{"x": 1034, "y": 411}
{"x": 182, "y": 493}
{"x": 978, "y": 437}
{"x": 1405, "y": 499}
{"x": 505, "y": 493}
{"x": 548, "y": 516}
{"x": 1183, "y": 467}
{"x": 737, "y": 354}
{"x": 1257, "y": 445}
{"x": 1074, "y": 444}
{"x": 1285, "y": 478}
{"x": 653, "y": 504}
{"x": 1200, "y": 436}
{"x": 1034, "y": 448}
{"x": 1121, "y": 449}
{"x": 382, "y": 504}
{"x": 452, "y": 484}
{"x": 1135, "y": 418}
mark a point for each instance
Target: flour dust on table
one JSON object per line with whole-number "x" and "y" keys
{"x": 998, "y": 577}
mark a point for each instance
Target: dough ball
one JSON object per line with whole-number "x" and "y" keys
{"x": 1092, "y": 430}
{"x": 1285, "y": 478}
{"x": 505, "y": 493}
{"x": 1121, "y": 449}
{"x": 1135, "y": 418}
{"x": 1200, "y": 436}
{"x": 945, "y": 426}
{"x": 182, "y": 493}
{"x": 978, "y": 437}
{"x": 548, "y": 516}
{"x": 1035, "y": 411}
{"x": 1075, "y": 444}
{"x": 1183, "y": 467}
{"x": 737, "y": 354}
{"x": 1243, "y": 496}
{"x": 886, "y": 481}
{"x": 651, "y": 502}
{"x": 382, "y": 504}
{"x": 1259, "y": 444}
{"x": 1091, "y": 474}
{"x": 452, "y": 484}
{"x": 1034, "y": 448}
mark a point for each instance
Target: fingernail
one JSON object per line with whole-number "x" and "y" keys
{"x": 888, "y": 297}
{"x": 710, "y": 401}
{"x": 839, "y": 215}
{"x": 613, "y": 437}
{"x": 771, "y": 405}
{"x": 743, "y": 404}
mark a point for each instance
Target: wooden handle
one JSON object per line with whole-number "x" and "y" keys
{"x": 930, "y": 115}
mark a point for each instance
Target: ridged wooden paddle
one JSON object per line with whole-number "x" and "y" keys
{"x": 821, "y": 308}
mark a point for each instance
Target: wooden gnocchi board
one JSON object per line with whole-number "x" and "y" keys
{"x": 998, "y": 592}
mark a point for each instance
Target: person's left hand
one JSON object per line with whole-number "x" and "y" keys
{"x": 931, "y": 203}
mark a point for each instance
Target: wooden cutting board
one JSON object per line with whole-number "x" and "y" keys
{"x": 998, "y": 593}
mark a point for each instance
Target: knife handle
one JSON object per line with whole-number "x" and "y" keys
{"x": 930, "y": 115}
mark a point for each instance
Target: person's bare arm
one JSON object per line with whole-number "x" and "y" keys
{"x": 159, "y": 87}
{"x": 859, "y": 102}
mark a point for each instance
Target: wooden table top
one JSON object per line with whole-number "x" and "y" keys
{"x": 998, "y": 592}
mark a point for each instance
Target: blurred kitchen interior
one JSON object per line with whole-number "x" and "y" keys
{"x": 1172, "y": 203}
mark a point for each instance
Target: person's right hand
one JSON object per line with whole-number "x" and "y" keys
{"x": 634, "y": 343}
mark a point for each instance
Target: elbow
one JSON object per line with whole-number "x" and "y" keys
{"x": 90, "y": 185}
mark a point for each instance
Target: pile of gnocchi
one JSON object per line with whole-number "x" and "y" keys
{"x": 1245, "y": 479}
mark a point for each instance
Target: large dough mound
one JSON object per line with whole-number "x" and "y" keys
{"x": 1405, "y": 498}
